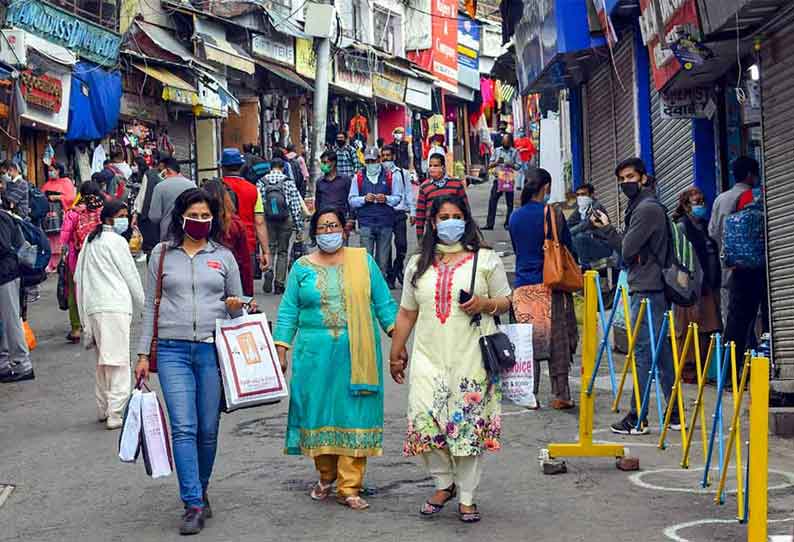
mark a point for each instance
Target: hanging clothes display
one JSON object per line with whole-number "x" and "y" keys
{"x": 487, "y": 91}
{"x": 358, "y": 128}
{"x": 435, "y": 126}
{"x": 98, "y": 160}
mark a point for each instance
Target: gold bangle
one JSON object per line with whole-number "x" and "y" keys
{"x": 495, "y": 308}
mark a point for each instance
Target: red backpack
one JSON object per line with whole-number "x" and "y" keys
{"x": 360, "y": 181}
{"x": 87, "y": 221}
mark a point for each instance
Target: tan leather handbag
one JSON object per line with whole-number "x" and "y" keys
{"x": 560, "y": 270}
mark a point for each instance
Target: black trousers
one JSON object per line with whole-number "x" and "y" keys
{"x": 748, "y": 294}
{"x": 400, "y": 246}
{"x": 494, "y": 201}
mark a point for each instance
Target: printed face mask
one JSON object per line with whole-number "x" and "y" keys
{"x": 196, "y": 229}
{"x": 451, "y": 231}
{"x": 330, "y": 242}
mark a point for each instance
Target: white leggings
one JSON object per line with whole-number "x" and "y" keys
{"x": 464, "y": 471}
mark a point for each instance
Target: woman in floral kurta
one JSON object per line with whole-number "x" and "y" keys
{"x": 328, "y": 420}
{"x": 454, "y": 412}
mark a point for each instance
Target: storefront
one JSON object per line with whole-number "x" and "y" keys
{"x": 389, "y": 93}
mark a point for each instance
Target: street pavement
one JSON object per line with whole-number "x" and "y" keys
{"x": 68, "y": 483}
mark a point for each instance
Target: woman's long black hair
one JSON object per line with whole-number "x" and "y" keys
{"x": 109, "y": 210}
{"x": 534, "y": 181}
{"x": 472, "y": 238}
{"x": 187, "y": 198}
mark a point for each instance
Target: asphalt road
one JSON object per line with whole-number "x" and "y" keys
{"x": 69, "y": 485}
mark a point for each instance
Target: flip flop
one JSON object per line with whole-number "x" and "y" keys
{"x": 354, "y": 502}
{"x": 469, "y": 517}
{"x": 320, "y": 491}
{"x": 431, "y": 509}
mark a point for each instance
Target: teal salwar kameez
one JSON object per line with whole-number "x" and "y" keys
{"x": 325, "y": 416}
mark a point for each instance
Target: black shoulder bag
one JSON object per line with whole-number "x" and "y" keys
{"x": 498, "y": 353}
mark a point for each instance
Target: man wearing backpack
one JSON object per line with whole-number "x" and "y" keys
{"x": 374, "y": 196}
{"x": 645, "y": 246}
{"x": 15, "y": 364}
{"x": 744, "y": 287}
{"x": 284, "y": 215}
{"x": 16, "y": 190}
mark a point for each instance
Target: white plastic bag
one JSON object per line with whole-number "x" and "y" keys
{"x": 130, "y": 438}
{"x": 518, "y": 384}
{"x": 154, "y": 437}
{"x": 250, "y": 368}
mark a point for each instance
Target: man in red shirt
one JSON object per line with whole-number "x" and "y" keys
{"x": 436, "y": 185}
{"x": 249, "y": 204}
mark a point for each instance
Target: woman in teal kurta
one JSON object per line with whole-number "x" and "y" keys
{"x": 330, "y": 418}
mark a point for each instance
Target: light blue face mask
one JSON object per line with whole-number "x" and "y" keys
{"x": 451, "y": 231}
{"x": 700, "y": 211}
{"x": 330, "y": 242}
{"x": 546, "y": 198}
{"x": 121, "y": 225}
{"x": 373, "y": 170}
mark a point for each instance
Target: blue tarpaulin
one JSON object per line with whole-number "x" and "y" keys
{"x": 94, "y": 102}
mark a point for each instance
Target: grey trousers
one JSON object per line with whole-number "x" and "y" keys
{"x": 13, "y": 346}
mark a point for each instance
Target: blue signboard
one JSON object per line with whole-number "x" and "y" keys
{"x": 86, "y": 39}
{"x": 469, "y": 42}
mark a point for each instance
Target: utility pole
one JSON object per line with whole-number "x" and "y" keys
{"x": 320, "y": 110}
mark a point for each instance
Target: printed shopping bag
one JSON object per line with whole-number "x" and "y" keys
{"x": 532, "y": 305}
{"x": 30, "y": 337}
{"x": 518, "y": 384}
{"x": 130, "y": 438}
{"x": 248, "y": 362}
{"x": 154, "y": 437}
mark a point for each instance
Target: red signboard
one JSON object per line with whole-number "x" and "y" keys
{"x": 656, "y": 26}
{"x": 442, "y": 58}
{"x": 42, "y": 91}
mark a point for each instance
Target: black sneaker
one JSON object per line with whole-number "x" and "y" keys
{"x": 267, "y": 284}
{"x": 207, "y": 507}
{"x": 628, "y": 426}
{"x": 192, "y": 521}
{"x": 487, "y": 228}
{"x": 278, "y": 289}
{"x": 15, "y": 374}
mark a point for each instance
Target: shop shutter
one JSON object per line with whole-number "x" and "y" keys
{"x": 623, "y": 86}
{"x": 673, "y": 153}
{"x": 180, "y": 132}
{"x": 601, "y": 138}
{"x": 778, "y": 116}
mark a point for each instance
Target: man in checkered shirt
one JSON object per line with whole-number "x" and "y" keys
{"x": 280, "y": 232}
{"x": 347, "y": 162}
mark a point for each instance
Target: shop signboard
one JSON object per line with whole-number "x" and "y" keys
{"x": 445, "y": 43}
{"x": 469, "y": 43}
{"x": 692, "y": 103}
{"x": 13, "y": 50}
{"x": 391, "y": 88}
{"x": 86, "y": 39}
{"x": 535, "y": 40}
{"x": 274, "y": 46}
{"x": 353, "y": 75}
{"x": 42, "y": 91}
{"x": 664, "y": 23}
{"x": 305, "y": 58}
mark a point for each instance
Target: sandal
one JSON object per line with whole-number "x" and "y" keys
{"x": 74, "y": 339}
{"x": 320, "y": 491}
{"x": 469, "y": 517}
{"x": 354, "y": 502}
{"x": 431, "y": 509}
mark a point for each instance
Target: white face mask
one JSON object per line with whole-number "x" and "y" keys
{"x": 398, "y": 136}
{"x": 583, "y": 202}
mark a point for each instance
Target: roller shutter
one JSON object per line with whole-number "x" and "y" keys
{"x": 778, "y": 118}
{"x": 611, "y": 124}
{"x": 673, "y": 153}
{"x": 180, "y": 132}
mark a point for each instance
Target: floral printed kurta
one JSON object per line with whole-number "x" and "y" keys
{"x": 324, "y": 416}
{"x": 450, "y": 402}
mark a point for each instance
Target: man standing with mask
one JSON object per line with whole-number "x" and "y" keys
{"x": 587, "y": 247}
{"x": 15, "y": 190}
{"x": 403, "y": 156}
{"x": 400, "y": 177}
{"x": 347, "y": 163}
{"x": 645, "y": 247}
{"x": 505, "y": 156}
{"x": 374, "y": 196}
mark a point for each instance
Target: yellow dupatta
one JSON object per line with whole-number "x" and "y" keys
{"x": 357, "y": 288}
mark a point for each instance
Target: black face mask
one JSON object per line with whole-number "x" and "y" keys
{"x": 630, "y": 190}
{"x": 340, "y": 143}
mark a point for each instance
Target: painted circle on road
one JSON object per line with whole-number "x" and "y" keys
{"x": 672, "y": 532}
{"x": 638, "y": 479}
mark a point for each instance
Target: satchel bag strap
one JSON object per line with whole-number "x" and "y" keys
{"x": 475, "y": 320}
{"x": 158, "y": 294}
{"x": 549, "y": 216}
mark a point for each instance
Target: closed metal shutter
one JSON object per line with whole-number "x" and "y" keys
{"x": 180, "y": 132}
{"x": 611, "y": 123}
{"x": 673, "y": 153}
{"x": 625, "y": 113}
{"x": 778, "y": 117}
{"x": 601, "y": 139}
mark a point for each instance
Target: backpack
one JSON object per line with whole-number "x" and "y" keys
{"x": 274, "y": 199}
{"x": 681, "y": 273}
{"x": 297, "y": 176}
{"x": 34, "y": 254}
{"x": 258, "y": 169}
{"x": 360, "y": 181}
{"x": 743, "y": 238}
{"x": 87, "y": 222}
{"x": 38, "y": 203}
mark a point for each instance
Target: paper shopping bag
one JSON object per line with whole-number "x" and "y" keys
{"x": 154, "y": 437}
{"x": 130, "y": 438}
{"x": 248, "y": 362}
{"x": 518, "y": 384}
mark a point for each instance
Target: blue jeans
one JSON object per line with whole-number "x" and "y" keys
{"x": 377, "y": 240}
{"x": 642, "y": 348}
{"x": 191, "y": 388}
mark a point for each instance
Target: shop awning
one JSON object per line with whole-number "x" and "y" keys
{"x": 286, "y": 74}
{"x": 218, "y": 49}
{"x": 166, "y": 40}
{"x": 175, "y": 89}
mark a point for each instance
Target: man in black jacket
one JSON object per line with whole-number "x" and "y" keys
{"x": 587, "y": 246}
{"x": 645, "y": 248}
{"x": 15, "y": 362}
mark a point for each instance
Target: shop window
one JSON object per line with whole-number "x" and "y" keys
{"x": 101, "y": 12}
{"x": 388, "y": 35}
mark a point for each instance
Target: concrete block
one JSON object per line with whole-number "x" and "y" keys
{"x": 554, "y": 466}
{"x": 781, "y": 421}
{"x": 628, "y": 464}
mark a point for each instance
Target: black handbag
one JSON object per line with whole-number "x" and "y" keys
{"x": 498, "y": 353}
{"x": 63, "y": 285}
